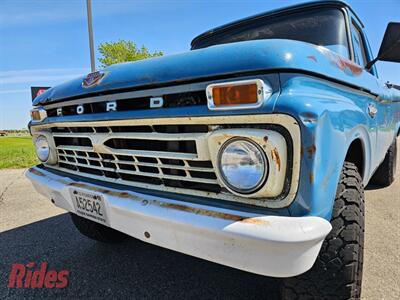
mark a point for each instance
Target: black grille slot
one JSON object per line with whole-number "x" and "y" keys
{"x": 131, "y": 129}
{"x": 81, "y": 160}
{"x": 71, "y": 159}
{"x": 205, "y": 175}
{"x": 80, "y": 153}
{"x": 94, "y": 163}
{"x": 72, "y": 129}
{"x": 125, "y": 157}
{"x": 60, "y": 129}
{"x": 90, "y": 171}
{"x": 142, "y": 179}
{"x": 93, "y": 155}
{"x": 102, "y": 129}
{"x": 192, "y": 185}
{"x": 133, "y": 104}
{"x": 181, "y": 128}
{"x": 82, "y": 129}
{"x": 152, "y": 145}
{"x": 174, "y": 172}
{"x": 106, "y": 156}
{"x": 111, "y": 174}
{"x": 185, "y": 99}
{"x": 127, "y": 167}
{"x": 150, "y": 160}
{"x": 147, "y": 169}
{"x": 69, "y": 152}
{"x": 200, "y": 164}
{"x": 175, "y": 162}
{"x": 72, "y": 141}
{"x": 68, "y": 166}
{"x": 109, "y": 165}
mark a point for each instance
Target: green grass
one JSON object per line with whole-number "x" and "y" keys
{"x": 17, "y": 152}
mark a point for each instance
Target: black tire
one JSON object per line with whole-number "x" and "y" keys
{"x": 337, "y": 272}
{"x": 97, "y": 231}
{"x": 385, "y": 174}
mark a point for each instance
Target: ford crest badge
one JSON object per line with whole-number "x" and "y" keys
{"x": 92, "y": 79}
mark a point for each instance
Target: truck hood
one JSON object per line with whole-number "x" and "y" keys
{"x": 219, "y": 61}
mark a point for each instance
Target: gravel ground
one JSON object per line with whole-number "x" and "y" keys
{"x": 33, "y": 230}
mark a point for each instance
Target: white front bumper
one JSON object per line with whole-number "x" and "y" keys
{"x": 267, "y": 245}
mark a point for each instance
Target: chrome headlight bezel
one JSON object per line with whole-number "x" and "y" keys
{"x": 42, "y": 148}
{"x": 51, "y": 158}
{"x": 274, "y": 146}
{"x": 263, "y": 160}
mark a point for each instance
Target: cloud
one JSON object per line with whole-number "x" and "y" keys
{"x": 42, "y": 76}
{"x": 15, "y": 91}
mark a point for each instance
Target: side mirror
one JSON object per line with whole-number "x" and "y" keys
{"x": 390, "y": 47}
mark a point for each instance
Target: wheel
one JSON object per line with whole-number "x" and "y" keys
{"x": 337, "y": 272}
{"x": 385, "y": 174}
{"x": 97, "y": 231}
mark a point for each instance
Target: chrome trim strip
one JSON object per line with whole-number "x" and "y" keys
{"x": 194, "y": 87}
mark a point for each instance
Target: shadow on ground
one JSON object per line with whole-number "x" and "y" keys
{"x": 133, "y": 269}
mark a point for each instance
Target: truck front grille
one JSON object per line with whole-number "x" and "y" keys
{"x": 159, "y": 156}
{"x": 165, "y": 154}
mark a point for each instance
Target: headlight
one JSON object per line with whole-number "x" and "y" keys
{"x": 243, "y": 165}
{"x": 42, "y": 148}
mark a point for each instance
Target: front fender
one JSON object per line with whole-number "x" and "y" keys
{"x": 331, "y": 117}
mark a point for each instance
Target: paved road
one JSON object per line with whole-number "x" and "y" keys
{"x": 33, "y": 230}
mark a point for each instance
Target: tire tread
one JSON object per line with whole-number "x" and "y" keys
{"x": 337, "y": 272}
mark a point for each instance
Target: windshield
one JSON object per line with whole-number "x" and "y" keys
{"x": 323, "y": 26}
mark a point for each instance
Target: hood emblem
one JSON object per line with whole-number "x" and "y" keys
{"x": 93, "y": 79}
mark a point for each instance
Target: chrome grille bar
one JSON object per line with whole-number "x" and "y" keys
{"x": 75, "y": 160}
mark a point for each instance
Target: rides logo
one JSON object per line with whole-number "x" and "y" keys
{"x": 24, "y": 276}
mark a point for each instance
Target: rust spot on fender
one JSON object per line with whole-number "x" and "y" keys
{"x": 308, "y": 117}
{"x": 311, "y": 151}
{"x": 275, "y": 157}
{"x": 312, "y": 57}
{"x": 213, "y": 214}
{"x": 311, "y": 177}
{"x": 103, "y": 191}
{"x": 255, "y": 221}
{"x": 347, "y": 66}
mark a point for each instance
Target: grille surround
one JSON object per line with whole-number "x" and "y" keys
{"x": 213, "y": 123}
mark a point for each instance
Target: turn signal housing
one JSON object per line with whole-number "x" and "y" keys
{"x": 38, "y": 114}
{"x": 244, "y": 94}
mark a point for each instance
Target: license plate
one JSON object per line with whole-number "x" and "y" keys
{"x": 90, "y": 206}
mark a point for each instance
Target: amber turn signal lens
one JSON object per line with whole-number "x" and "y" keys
{"x": 235, "y": 94}
{"x": 38, "y": 114}
{"x": 35, "y": 115}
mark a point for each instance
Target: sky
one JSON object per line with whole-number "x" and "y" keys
{"x": 45, "y": 42}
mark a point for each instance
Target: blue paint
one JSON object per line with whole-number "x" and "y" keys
{"x": 327, "y": 94}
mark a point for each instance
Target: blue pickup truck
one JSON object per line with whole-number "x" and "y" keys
{"x": 251, "y": 150}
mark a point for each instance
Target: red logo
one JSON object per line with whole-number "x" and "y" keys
{"x": 92, "y": 79}
{"x": 22, "y": 276}
{"x": 41, "y": 91}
